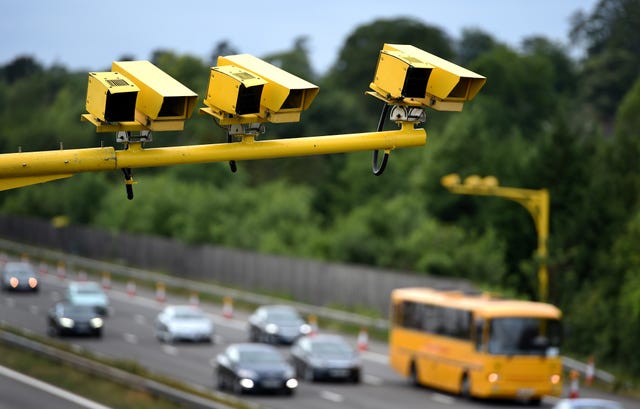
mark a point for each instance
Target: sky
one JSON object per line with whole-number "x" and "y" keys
{"x": 81, "y": 35}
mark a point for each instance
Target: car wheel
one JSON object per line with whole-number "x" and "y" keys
{"x": 220, "y": 383}
{"x": 309, "y": 374}
{"x": 413, "y": 374}
{"x": 465, "y": 387}
{"x": 237, "y": 388}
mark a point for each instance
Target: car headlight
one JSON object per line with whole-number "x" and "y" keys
{"x": 271, "y": 328}
{"x": 96, "y": 322}
{"x": 66, "y": 322}
{"x": 305, "y": 329}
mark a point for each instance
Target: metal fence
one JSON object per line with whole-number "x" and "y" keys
{"x": 309, "y": 281}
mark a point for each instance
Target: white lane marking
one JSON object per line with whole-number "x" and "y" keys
{"x": 140, "y": 319}
{"x": 375, "y": 357}
{"x": 372, "y": 380}
{"x": 130, "y": 338}
{"x": 170, "y": 350}
{"x": 331, "y": 396}
{"x": 440, "y": 398}
{"x": 53, "y": 390}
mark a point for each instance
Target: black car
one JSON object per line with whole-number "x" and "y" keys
{"x": 276, "y": 324}
{"x": 71, "y": 319}
{"x": 327, "y": 357}
{"x": 19, "y": 276}
{"x": 253, "y": 367}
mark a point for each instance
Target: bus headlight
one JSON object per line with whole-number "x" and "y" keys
{"x": 555, "y": 379}
{"x": 493, "y": 377}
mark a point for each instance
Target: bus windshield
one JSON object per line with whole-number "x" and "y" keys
{"x": 524, "y": 336}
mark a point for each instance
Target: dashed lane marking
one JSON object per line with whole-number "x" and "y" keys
{"x": 331, "y": 396}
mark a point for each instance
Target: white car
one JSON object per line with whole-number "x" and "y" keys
{"x": 88, "y": 293}
{"x": 183, "y": 322}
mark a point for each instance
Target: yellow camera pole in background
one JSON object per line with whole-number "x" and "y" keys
{"x": 136, "y": 98}
{"x": 535, "y": 201}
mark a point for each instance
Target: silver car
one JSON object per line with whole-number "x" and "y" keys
{"x": 88, "y": 293}
{"x": 587, "y": 403}
{"x": 19, "y": 276}
{"x": 183, "y": 322}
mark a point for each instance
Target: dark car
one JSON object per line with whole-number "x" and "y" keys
{"x": 19, "y": 276}
{"x": 254, "y": 367}
{"x": 328, "y": 357}
{"x": 65, "y": 318}
{"x": 276, "y": 324}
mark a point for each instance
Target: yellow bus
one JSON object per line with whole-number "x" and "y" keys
{"x": 475, "y": 345}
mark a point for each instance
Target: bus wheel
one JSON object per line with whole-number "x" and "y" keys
{"x": 465, "y": 387}
{"x": 413, "y": 374}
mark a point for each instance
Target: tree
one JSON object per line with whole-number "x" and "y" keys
{"x": 612, "y": 61}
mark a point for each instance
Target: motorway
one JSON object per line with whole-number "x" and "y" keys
{"x": 129, "y": 335}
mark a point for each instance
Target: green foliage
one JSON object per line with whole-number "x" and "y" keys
{"x": 543, "y": 120}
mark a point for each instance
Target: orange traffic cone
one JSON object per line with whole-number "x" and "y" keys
{"x": 161, "y": 294}
{"x": 313, "y": 323}
{"x": 590, "y": 371}
{"x": 574, "y": 384}
{"x": 131, "y": 288}
{"x": 43, "y": 269}
{"x": 227, "y": 307}
{"x": 61, "y": 271}
{"x": 106, "y": 280}
{"x": 363, "y": 340}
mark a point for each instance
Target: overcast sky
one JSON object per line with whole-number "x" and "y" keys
{"x": 82, "y": 35}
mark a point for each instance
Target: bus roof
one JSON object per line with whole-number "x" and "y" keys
{"x": 481, "y": 304}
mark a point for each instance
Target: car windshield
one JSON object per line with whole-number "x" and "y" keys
{"x": 72, "y": 309}
{"x": 524, "y": 336}
{"x": 283, "y": 316}
{"x": 188, "y": 314}
{"x": 88, "y": 290}
{"x": 259, "y": 356}
{"x": 329, "y": 349}
{"x": 20, "y": 270}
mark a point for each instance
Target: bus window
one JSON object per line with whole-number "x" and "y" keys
{"x": 524, "y": 336}
{"x": 479, "y": 334}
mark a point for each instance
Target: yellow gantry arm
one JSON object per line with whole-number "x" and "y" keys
{"x": 535, "y": 201}
{"x": 28, "y": 168}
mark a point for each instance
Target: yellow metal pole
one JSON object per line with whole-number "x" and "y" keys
{"x": 26, "y": 168}
{"x": 535, "y": 201}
